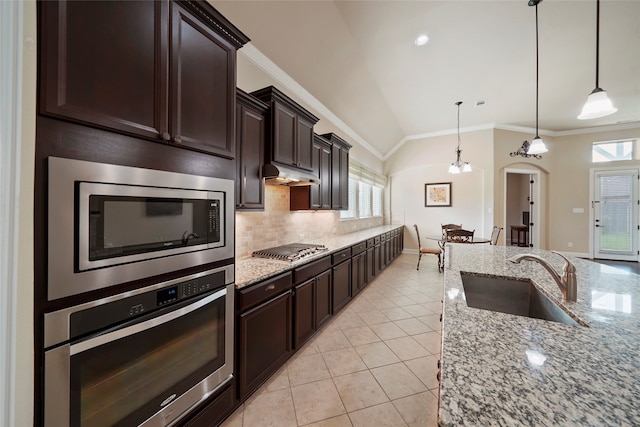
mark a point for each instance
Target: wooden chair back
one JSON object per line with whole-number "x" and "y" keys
{"x": 494, "y": 235}
{"x": 460, "y": 236}
{"x": 446, "y": 227}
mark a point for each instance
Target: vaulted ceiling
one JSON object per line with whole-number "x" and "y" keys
{"x": 358, "y": 59}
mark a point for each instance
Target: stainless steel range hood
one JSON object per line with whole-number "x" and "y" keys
{"x": 287, "y": 175}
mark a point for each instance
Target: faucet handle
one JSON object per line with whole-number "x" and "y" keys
{"x": 568, "y": 266}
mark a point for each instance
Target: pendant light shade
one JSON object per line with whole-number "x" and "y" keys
{"x": 537, "y": 146}
{"x": 459, "y": 166}
{"x": 598, "y": 103}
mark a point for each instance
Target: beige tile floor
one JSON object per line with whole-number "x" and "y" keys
{"x": 373, "y": 364}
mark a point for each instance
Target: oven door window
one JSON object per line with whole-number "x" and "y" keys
{"x": 127, "y": 375}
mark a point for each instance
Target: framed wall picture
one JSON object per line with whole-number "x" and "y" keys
{"x": 437, "y": 194}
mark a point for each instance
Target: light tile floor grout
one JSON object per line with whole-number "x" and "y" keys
{"x": 373, "y": 364}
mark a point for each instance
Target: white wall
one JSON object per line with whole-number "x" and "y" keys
{"x": 423, "y": 161}
{"x": 17, "y": 114}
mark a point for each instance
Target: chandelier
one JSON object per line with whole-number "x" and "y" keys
{"x": 459, "y": 166}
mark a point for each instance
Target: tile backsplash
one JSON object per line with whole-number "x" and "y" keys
{"x": 277, "y": 225}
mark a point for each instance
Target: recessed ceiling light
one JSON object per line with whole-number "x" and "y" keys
{"x": 422, "y": 40}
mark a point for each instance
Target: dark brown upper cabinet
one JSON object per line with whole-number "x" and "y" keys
{"x": 289, "y": 130}
{"x": 339, "y": 171}
{"x": 160, "y": 70}
{"x": 315, "y": 197}
{"x": 250, "y": 128}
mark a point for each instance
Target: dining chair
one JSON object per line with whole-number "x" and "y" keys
{"x": 422, "y": 251}
{"x": 460, "y": 236}
{"x": 446, "y": 227}
{"x": 494, "y": 235}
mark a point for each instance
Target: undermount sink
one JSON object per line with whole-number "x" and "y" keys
{"x": 513, "y": 296}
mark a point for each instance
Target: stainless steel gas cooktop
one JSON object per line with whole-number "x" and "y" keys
{"x": 290, "y": 252}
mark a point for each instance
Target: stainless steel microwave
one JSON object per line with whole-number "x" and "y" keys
{"x": 110, "y": 224}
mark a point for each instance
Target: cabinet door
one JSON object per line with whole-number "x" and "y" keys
{"x": 370, "y": 265}
{"x": 250, "y": 137}
{"x": 284, "y": 133}
{"x": 203, "y": 86}
{"x": 323, "y": 298}
{"x": 315, "y": 195}
{"x": 344, "y": 179}
{"x": 335, "y": 178}
{"x": 358, "y": 277}
{"x": 320, "y": 197}
{"x": 341, "y": 285}
{"x": 304, "y": 324}
{"x": 325, "y": 178}
{"x": 304, "y": 141}
{"x": 264, "y": 342}
{"x": 104, "y": 63}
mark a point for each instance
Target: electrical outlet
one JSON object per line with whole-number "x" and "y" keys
{"x": 570, "y": 244}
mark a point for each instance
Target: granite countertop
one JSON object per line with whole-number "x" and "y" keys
{"x": 506, "y": 370}
{"x": 253, "y": 270}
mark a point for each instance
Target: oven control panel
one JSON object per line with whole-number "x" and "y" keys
{"x": 95, "y": 318}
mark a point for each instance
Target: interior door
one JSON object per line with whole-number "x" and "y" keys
{"x": 615, "y": 213}
{"x": 531, "y": 217}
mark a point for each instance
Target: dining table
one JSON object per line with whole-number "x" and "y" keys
{"x": 442, "y": 241}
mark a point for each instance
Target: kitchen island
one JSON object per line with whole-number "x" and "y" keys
{"x": 506, "y": 370}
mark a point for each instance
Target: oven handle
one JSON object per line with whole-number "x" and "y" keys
{"x": 151, "y": 323}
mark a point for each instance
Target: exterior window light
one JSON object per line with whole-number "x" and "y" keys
{"x": 459, "y": 166}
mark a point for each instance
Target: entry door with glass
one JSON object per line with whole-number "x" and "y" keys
{"x": 615, "y": 213}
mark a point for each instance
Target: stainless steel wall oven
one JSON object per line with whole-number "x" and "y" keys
{"x": 144, "y": 357}
{"x": 110, "y": 224}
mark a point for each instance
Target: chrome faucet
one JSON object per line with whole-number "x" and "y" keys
{"x": 568, "y": 283}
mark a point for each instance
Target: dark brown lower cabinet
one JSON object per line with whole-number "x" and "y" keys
{"x": 358, "y": 273}
{"x": 323, "y": 298}
{"x": 312, "y": 307}
{"x": 341, "y": 285}
{"x": 377, "y": 259}
{"x": 370, "y": 265}
{"x": 265, "y": 342}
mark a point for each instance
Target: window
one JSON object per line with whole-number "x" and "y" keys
{"x": 365, "y": 193}
{"x": 612, "y": 151}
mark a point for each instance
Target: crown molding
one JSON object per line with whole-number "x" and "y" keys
{"x": 513, "y": 128}
{"x": 296, "y": 90}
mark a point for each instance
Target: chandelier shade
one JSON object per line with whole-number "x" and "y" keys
{"x": 537, "y": 146}
{"x": 459, "y": 166}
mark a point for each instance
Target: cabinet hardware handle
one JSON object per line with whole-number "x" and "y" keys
{"x": 166, "y": 136}
{"x": 270, "y": 287}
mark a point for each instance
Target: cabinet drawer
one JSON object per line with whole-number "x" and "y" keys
{"x": 360, "y": 247}
{"x": 340, "y": 256}
{"x": 312, "y": 269}
{"x": 376, "y": 240}
{"x": 261, "y": 292}
{"x": 370, "y": 243}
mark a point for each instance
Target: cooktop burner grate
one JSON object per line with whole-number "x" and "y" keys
{"x": 290, "y": 252}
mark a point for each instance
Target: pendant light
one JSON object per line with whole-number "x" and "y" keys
{"x": 537, "y": 145}
{"x": 598, "y": 103}
{"x": 459, "y": 166}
